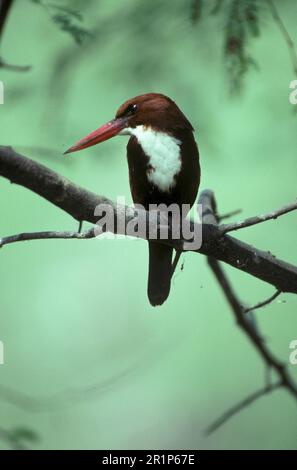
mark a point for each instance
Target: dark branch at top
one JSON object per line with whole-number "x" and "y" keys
{"x": 5, "y": 6}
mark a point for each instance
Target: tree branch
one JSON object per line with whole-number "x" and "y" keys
{"x": 248, "y": 326}
{"x": 259, "y": 305}
{"x": 240, "y": 406}
{"x": 14, "y": 67}
{"x": 229, "y": 214}
{"x": 290, "y": 43}
{"x": 46, "y": 236}
{"x": 81, "y": 203}
{"x": 5, "y": 8}
{"x": 259, "y": 219}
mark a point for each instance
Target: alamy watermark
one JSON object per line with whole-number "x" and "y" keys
{"x": 293, "y": 94}
{"x": 155, "y": 222}
{"x": 293, "y": 355}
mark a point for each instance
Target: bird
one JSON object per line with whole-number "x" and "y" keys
{"x": 163, "y": 164}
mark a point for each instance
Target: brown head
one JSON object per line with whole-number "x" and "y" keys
{"x": 152, "y": 110}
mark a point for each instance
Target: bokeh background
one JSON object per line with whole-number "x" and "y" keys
{"x": 88, "y": 363}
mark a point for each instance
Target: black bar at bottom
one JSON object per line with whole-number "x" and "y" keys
{"x": 134, "y": 459}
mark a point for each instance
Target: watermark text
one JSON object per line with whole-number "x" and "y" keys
{"x": 293, "y": 355}
{"x": 293, "y": 94}
{"x": 155, "y": 222}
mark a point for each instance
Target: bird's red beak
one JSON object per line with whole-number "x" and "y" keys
{"x": 105, "y": 132}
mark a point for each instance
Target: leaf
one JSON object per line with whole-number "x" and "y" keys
{"x": 66, "y": 18}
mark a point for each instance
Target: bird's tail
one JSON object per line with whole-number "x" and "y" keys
{"x": 160, "y": 271}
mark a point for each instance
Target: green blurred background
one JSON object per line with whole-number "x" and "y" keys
{"x": 88, "y": 363}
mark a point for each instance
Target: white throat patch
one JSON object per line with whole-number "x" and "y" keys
{"x": 163, "y": 152}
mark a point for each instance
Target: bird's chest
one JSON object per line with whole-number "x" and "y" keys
{"x": 154, "y": 161}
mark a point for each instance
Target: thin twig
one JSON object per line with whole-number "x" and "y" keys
{"x": 263, "y": 303}
{"x": 229, "y": 214}
{"x": 259, "y": 219}
{"x": 20, "y": 237}
{"x": 13, "y": 67}
{"x": 5, "y": 8}
{"x": 240, "y": 406}
{"x": 290, "y": 43}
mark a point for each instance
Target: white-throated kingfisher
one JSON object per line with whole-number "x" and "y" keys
{"x": 163, "y": 162}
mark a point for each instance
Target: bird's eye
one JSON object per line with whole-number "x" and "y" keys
{"x": 131, "y": 109}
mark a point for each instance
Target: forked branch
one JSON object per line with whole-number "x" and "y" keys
{"x": 81, "y": 203}
{"x": 250, "y": 329}
{"x": 216, "y": 245}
